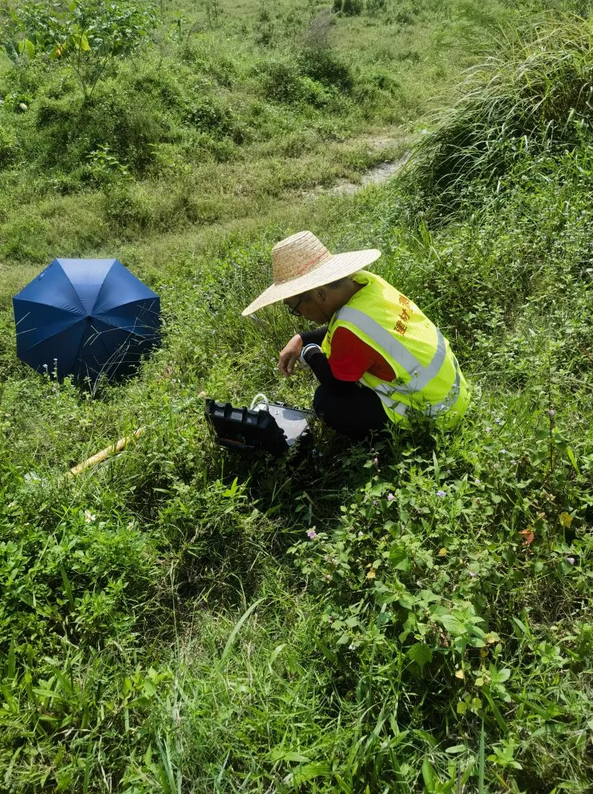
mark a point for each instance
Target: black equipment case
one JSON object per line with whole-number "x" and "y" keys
{"x": 272, "y": 427}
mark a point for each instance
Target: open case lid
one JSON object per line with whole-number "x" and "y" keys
{"x": 291, "y": 421}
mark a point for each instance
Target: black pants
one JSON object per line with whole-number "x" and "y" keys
{"x": 351, "y": 409}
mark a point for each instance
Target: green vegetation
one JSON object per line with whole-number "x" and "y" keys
{"x": 412, "y": 616}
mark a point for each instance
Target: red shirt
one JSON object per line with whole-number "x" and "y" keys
{"x": 351, "y": 357}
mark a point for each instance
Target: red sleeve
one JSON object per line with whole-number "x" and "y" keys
{"x": 351, "y": 357}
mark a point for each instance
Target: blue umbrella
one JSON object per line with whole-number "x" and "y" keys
{"x": 86, "y": 317}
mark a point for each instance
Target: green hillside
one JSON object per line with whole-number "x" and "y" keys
{"x": 413, "y": 616}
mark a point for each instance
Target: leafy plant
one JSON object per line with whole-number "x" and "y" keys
{"x": 104, "y": 166}
{"x": 87, "y": 34}
{"x": 349, "y": 8}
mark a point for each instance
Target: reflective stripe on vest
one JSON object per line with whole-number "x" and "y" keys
{"x": 451, "y": 398}
{"x": 383, "y": 391}
{"x": 420, "y": 375}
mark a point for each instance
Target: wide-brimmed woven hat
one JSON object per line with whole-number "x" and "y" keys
{"x": 301, "y": 262}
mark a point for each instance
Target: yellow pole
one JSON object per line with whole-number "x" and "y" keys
{"x": 105, "y": 453}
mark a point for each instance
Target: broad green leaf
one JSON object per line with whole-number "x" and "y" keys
{"x": 456, "y": 749}
{"x": 428, "y": 776}
{"x": 26, "y": 46}
{"x": 499, "y": 676}
{"x": 233, "y": 489}
{"x": 452, "y": 624}
{"x": 420, "y": 653}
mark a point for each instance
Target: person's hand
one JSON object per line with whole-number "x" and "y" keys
{"x": 289, "y": 354}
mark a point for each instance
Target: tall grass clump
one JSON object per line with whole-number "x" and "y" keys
{"x": 535, "y": 95}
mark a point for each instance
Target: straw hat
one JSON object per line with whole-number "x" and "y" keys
{"x": 301, "y": 262}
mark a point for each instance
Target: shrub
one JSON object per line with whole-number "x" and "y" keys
{"x": 103, "y": 165}
{"x": 128, "y": 126}
{"x": 214, "y": 65}
{"x": 127, "y": 206}
{"x": 283, "y": 82}
{"x": 54, "y": 112}
{"x": 280, "y": 81}
{"x": 354, "y": 8}
{"x": 264, "y": 26}
{"x": 374, "y": 7}
{"x": 327, "y": 68}
{"x": 210, "y": 116}
{"x": 349, "y": 8}
{"x": 86, "y": 34}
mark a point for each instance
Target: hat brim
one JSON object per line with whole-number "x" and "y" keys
{"x": 338, "y": 266}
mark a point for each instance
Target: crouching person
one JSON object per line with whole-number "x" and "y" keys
{"x": 377, "y": 357}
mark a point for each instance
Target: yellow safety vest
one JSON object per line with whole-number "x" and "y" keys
{"x": 428, "y": 378}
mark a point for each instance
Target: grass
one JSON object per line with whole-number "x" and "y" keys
{"x": 530, "y": 100}
{"x": 166, "y": 622}
{"x": 193, "y": 131}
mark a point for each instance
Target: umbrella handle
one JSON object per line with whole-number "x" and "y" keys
{"x": 105, "y": 453}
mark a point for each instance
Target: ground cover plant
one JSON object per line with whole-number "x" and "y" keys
{"x": 409, "y": 615}
{"x": 171, "y": 116}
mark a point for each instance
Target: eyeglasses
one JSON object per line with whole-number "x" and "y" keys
{"x": 294, "y": 310}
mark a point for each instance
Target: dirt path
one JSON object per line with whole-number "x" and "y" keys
{"x": 374, "y": 176}
{"x": 396, "y": 156}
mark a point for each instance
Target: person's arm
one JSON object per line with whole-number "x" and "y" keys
{"x": 290, "y": 353}
{"x": 316, "y": 336}
{"x": 314, "y": 357}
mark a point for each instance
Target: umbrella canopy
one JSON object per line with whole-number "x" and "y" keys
{"x": 85, "y": 317}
